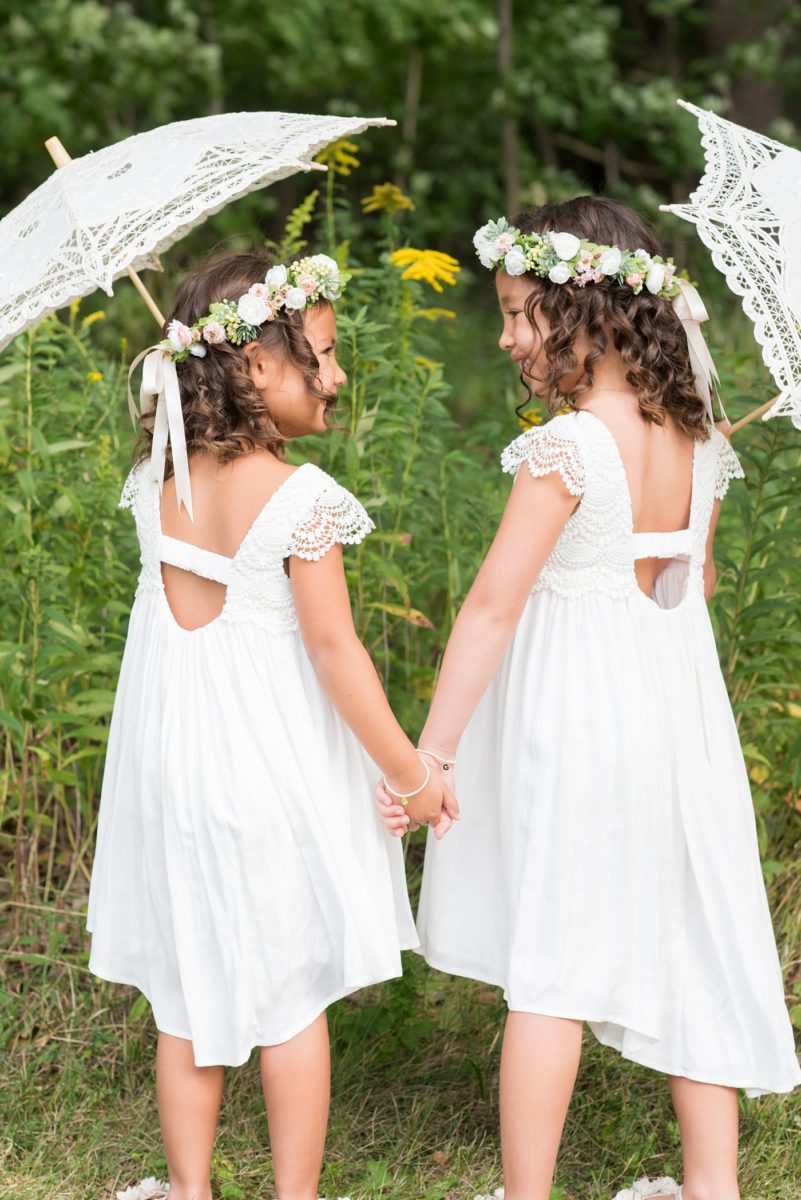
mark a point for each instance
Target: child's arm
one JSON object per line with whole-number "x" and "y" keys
{"x": 534, "y": 518}
{"x": 349, "y": 679}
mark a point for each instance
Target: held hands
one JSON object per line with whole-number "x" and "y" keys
{"x": 433, "y": 805}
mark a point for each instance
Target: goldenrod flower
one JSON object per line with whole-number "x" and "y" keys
{"x": 529, "y": 417}
{"x": 74, "y": 306}
{"x": 92, "y": 317}
{"x": 94, "y": 376}
{"x": 386, "y": 196}
{"x": 339, "y": 157}
{"x": 432, "y": 266}
{"x": 436, "y": 314}
{"x": 428, "y": 363}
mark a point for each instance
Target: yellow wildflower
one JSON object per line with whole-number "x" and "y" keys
{"x": 76, "y": 304}
{"x": 529, "y": 417}
{"x": 436, "y": 314}
{"x": 94, "y": 376}
{"x": 386, "y": 196}
{"x": 339, "y": 157}
{"x": 92, "y": 317}
{"x": 428, "y": 363}
{"x": 432, "y": 266}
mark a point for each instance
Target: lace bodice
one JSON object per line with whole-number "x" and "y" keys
{"x": 305, "y": 516}
{"x": 597, "y": 548}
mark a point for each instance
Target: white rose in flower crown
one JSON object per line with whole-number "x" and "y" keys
{"x": 655, "y": 277}
{"x": 566, "y": 245}
{"x": 252, "y": 309}
{"x": 610, "y": 261}
{"x": 481, "y": 237}
{"x": 198, "y": 349}
{"x": 328, "y": 274}
{"x": 295, "y": 298}
{"x": 275, "y": 277}
{"x": 515, "y": 261}
{"x": 179, "y": 336}
{"x": 645, "y": 257}
{"x": 325, "y": 261}
{"x": 560, "y": 273}
{"x": 486, "y": 254}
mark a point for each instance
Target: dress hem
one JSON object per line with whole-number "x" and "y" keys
{"x": 752, "y": 1091}
{"x": 113, "y": 977}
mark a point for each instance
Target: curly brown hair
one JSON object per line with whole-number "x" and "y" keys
{"x": 644, "y": 328}
{"x": 222, "y": 409}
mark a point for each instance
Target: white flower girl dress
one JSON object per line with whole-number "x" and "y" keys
{"x": 242, "y": 880}
{"x": 606, "y": 865}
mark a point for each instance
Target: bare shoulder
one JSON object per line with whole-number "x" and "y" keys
{"x": 257, "y": 474}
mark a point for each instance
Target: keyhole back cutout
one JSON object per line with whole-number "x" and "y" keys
{"x": 662, "y": 530}
{"x": 195, "y": 578}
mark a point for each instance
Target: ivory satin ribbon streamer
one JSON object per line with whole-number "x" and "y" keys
{"x": 159, "y": 389}
{"x": 691, "y": 311}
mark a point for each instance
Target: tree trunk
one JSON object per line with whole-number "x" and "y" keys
{"x": 509, "y": 149}
{"x": 755, "y": 102}
{"x": 411, "y": 112}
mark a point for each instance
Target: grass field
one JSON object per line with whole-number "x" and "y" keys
{"x": 413, "y": 1115}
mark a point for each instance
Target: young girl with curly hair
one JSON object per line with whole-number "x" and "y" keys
{"x": 241, "y": 880}
{"x": 605, "y": 868}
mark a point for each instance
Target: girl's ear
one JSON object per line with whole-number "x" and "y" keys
{"x": 262, "y": 365}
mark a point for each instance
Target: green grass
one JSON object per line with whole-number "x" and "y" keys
{"x": 413, "y": 1115}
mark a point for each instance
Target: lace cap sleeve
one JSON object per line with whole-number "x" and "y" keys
{"x": 130, "y": 489}
{"x": 545, "y": 449}
{"x": 728, "y": 464}
{"x": 333, "y": 516}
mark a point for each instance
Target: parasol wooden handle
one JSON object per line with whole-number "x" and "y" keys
{"x": 61, "y": 158}
{"x": 752, "y": 416}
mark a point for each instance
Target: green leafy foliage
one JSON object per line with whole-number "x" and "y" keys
{"x": 423, "y": 459}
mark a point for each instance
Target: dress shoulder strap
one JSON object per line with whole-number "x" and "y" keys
{"x": 548, "y": 448}
{"x": 325, "y": 513}
{"x": 728, "y": 465}
{"x": 133, "y": 485}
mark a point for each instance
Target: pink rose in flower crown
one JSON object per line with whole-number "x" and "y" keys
{"x": 213, "y": 333}
{"x": 179, "y": 336}
{"x": 308, "y": 283}
{"x": 504, "y": 242}
{"x": 634, "y": 278}
{"x": 259, "y": 289}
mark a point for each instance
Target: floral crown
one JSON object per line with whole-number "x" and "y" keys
{"x": 565, "y": 258}
{"x": 291, "y": 288}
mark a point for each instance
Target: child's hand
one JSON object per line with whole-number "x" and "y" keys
{"x": 397, "y": 819}
{"x": 392, "y": 815}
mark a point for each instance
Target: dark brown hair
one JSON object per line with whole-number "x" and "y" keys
{"x": 644, "y": 328}
{"x": 222, "y": 409}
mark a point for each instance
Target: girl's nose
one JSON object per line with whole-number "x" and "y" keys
{"x": 341, "y": 378}
{"x": 506, "y": 341}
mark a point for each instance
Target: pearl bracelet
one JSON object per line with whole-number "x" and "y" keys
{"x": 447, "y": 764}
{"x": 405, "y": 797}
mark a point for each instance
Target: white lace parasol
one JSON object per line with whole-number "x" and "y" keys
{"x": 119, "y": 207}
{"x": 747, "y": 210}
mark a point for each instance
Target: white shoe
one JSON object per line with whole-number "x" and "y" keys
{"x": 664, "y": 1186}
{"x": 149, "y": 1189}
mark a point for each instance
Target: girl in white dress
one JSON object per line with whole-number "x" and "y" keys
{"x": 241, "y": 880}
{"x": 605, "y": 867}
